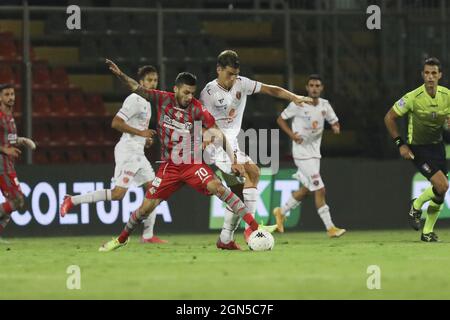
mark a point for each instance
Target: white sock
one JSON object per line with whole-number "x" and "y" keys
{"x": 250, "y": 200}
{"x": 230, "y": 224}
{"x": 289, "y": 205}
{"x": 149, "y": 224}
{"x": 95, "y": 196}
{"x": 324, "y": 214}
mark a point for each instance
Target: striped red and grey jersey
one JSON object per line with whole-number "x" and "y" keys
{"x": 176, "y": 125}
{"x": 8, "y": 138}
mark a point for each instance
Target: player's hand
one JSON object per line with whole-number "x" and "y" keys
{"x": 297, "y": 138}
{"x": 26, "y": 142}
{"x": 238, "y": 169}
{"x": 406, "y": 152}
{"x": 336, "y": 128}
{"x": 149, "y": 133}
{"x": 113, "y": 67}
{"x": 12, "y": 152}
{"x": 300, "y": 100}
{"x": 148, "y": 142}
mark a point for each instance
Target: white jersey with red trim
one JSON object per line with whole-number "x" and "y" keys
{"x": 136, "y": 112}
{"x": 228, "y": 106}
{"x": 309, "y": 121}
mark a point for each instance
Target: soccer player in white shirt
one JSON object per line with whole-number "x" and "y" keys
{"x": 306, "y": 133}
{"x": 132, "y": 166}
{"x": 225, "y": 98}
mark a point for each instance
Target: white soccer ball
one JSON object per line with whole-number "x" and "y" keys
{"x": 261, "y": 240}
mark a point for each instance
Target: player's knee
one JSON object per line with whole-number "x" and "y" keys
{"x": 253, "y": 172}
{"x": 19, "y": 203}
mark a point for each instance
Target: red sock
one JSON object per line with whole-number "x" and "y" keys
{"x": 248, "y": 218}
{"x": 7, "y": 207}
{"x": 123, "y": 236}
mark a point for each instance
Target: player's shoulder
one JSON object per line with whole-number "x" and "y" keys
{"x": 210, "y": 87}
{"x": 242, "y": 79}
{"x": 416, "y": 93}
{"x": 443, "y": 90}
{"x": 196, "y": 104}
{"x": 324, "y": 102}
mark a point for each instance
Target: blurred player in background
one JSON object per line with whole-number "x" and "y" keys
{"x": 225, "y": 98}
{"x": 132, "y": 167}
{"x": 306, "y": 133}
{"x": 9, "y": 152}
{"x": 178, "y": 114}
{"x": 428, "y": 110}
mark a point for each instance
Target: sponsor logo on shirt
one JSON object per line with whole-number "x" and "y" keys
{"x": 176, "y": 124}
{"x": 156, "y": 182}
{"x": 12, "y": 138}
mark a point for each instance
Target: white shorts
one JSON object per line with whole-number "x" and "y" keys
{"x": 132, "y": 170}
{"x": 220, "y": 159}
{"x": 308, "y": 174}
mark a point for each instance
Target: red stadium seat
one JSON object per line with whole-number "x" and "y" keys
{"x": 94, "y": 155}
{"x": 59, "y": 78}
{"x": 75, "y": 155}
{"x": 41, "y": 105}
{"x": 41, "y": 134}
{"x": 94, "y": 133}
{"x": 58, "y": 134}
{"x": 75, "y": 134}
{"x": 6, "y": 74}
{"x": 57, "y": 156}
{"x": 59, "y": 105}
{"x": 40, "y": 156}
{"x": 95, "y": 105}
{"x": 41, "y": 77}
{"x": 8, "y": 49}
{"x": 77, "y": 104}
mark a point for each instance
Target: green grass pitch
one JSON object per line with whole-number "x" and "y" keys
{"x": 301, "y": 266}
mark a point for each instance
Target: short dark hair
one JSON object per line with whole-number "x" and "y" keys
{"x": 186, "y": 78}
{"x": 145, "y": 70}
{"x": 433, "y": 61}
{"x": 228, "y": 58}
{"x": 314, "y": 77}
{"x": 6, "y": 86}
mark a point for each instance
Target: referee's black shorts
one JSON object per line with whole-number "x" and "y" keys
{"x": 430, "y": 159}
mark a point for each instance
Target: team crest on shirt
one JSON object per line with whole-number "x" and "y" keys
{"x": 316, "y": 183}
{"x": 238, "y": 95}
{"x": 126, "y": 180}
{"x": 178, "y": 115}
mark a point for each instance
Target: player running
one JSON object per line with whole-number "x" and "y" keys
{"x": 177, "y": 114}
{"x": 306, "y": 133}
{"x": 225, "y": 98}
{"x": 428, "y": 110}
{"x": 9, "y": 152}
{"x": 132, "y": 166}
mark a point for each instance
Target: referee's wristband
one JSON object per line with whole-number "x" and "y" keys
{"x": 399, "y": 142}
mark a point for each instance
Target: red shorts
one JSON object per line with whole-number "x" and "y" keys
{"x": 9, "y": 185}
{"x": 171, "y": 177}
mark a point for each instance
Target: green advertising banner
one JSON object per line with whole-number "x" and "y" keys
{"x": 419, "y": 184}
{"x": 274, "y": 191}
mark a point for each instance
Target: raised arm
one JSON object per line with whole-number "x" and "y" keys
{"x": 132, "y": 84}
{"x": 281, "y": 93}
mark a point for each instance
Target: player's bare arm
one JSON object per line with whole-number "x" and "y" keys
{"x": 120, "y": 125}
{"x": 11, "y": 151}
{"x": 283, "y": 124}
{"x": 281, "y": 93}
{"x": 132, "y": 84}
{"x": 391, "y": 125}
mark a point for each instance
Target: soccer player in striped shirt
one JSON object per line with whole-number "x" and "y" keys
{"x": 9, "y": 152}
{"x": 178, "y": 115}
